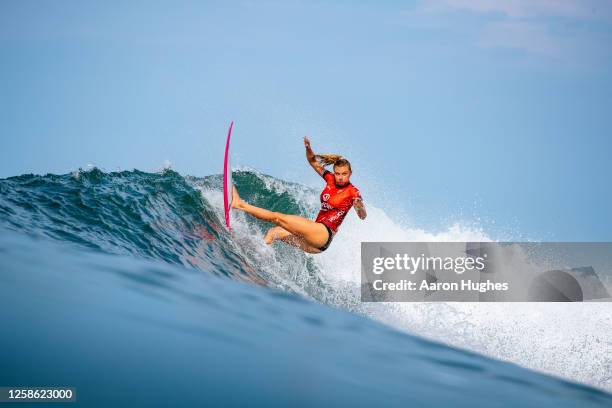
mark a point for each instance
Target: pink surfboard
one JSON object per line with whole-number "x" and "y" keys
{"x": 227, "y": 180}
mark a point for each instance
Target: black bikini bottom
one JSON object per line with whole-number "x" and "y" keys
{"x": 329, "y": 239}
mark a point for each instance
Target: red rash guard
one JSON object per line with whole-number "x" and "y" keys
{"x": 336, "y": 202}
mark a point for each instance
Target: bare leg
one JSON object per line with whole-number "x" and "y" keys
{"x": 299, "y": 242}
{"x": 275, "y": 233}
{"x": 279, "y": 233}
{"x": 312, "y": 233}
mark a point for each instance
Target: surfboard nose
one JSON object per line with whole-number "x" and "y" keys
{"x": 227, "y": 180}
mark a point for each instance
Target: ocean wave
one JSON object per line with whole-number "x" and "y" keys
{"x": 178, "y": 220}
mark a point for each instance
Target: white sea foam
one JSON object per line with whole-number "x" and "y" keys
{"x": 567, "y": 340}
{"x": 571, "y": 340}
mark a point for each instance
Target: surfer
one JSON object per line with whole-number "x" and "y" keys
{"x": 337, "y": 198}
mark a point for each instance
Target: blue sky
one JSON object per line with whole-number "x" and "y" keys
{"x": 490, "y": 111}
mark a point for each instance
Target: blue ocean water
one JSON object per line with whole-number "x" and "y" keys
{"x": 126, "y": 286}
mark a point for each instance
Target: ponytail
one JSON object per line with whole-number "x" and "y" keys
{"x": 335, "y": 159}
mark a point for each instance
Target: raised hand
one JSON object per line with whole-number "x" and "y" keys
{"x": 306, "y": 142}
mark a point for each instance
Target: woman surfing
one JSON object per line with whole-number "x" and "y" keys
{"x": 337, "y": 198}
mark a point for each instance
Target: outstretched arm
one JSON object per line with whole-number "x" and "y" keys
{"x": 310, "y": 156}
{"x": 360, "y": 208}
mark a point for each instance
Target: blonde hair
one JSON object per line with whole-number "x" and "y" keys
{"x": 335, "y": 159}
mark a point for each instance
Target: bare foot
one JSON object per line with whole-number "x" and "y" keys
{"x": 236, "y": 200}
{"x": 269, "y": 238}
